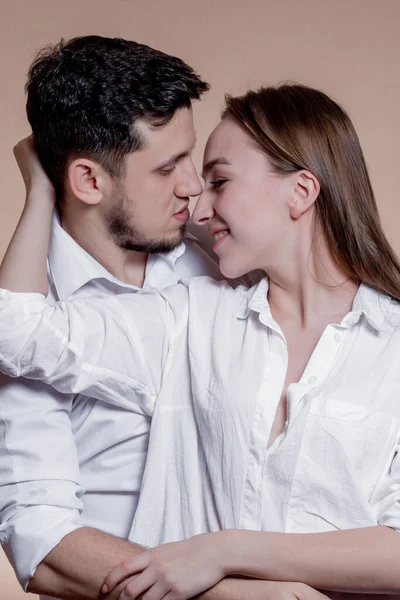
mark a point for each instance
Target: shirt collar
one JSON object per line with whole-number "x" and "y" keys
{"x": 372, "y": 304}
{"x": 367, "y": 301}
{"x": 71, "y": 267}
{"x": 255, "y": 299}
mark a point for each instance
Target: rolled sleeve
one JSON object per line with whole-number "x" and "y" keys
{"x": 109, "y": 348}
{"x": 40, "y": 494}
{"x": 28, "y": 537}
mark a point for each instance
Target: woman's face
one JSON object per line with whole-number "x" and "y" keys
{"x": 245, "y": 205}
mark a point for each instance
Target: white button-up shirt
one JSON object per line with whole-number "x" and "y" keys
{"x": 61, "y": 454}
{"x": 208, "y": 364}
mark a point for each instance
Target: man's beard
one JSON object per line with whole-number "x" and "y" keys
{"x": 127, "y": 236}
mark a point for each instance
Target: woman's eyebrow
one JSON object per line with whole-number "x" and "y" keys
{"x": 211, "y": 163}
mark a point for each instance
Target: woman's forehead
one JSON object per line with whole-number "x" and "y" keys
{"x": 227, "y": 139}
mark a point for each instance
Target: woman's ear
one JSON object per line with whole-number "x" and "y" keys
{"x": 305, "y": 193}
{"x": 87, "y": 180}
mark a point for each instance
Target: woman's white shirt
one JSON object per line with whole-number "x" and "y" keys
{"x": 208, "y": 364}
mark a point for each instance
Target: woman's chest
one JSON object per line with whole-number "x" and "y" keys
{"x": 337, "y": 438}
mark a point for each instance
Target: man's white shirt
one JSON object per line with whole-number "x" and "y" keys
{"x": 61, "y": 454}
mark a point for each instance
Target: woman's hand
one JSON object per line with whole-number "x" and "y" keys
{"x": 35, "y": 179}
{"x": 255, "y": 589}
{"x": 175, "y": 571}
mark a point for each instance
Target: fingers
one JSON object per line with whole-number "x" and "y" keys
{"x": 156, "y": 592}
{"x": 170, "y": 596}
{"x": 138, "y": 586}
{"x": 128, "y": 567}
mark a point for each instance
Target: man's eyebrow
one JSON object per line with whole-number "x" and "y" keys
{"x": 211, "y": 163}
{"x": 176, "y": 157}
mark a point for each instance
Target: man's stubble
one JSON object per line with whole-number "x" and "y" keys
{"x": 125, "y": 234}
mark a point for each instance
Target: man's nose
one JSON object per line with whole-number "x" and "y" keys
{"x": 190, "y": 184}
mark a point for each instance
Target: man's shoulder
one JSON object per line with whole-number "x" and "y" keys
{"x": 209, "y": 295}
{"x": 202, "y": 292}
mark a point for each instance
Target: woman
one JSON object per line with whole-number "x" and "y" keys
{"x": 278, "y": 404}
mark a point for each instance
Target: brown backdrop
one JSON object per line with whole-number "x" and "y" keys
{"x": 349, "y": 48}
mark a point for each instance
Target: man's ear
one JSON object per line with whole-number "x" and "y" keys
{"x": 87, "y": 180}
{"x": 305, "y": 192}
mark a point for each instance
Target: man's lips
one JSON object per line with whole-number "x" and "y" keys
{"x": 183, "y": 215}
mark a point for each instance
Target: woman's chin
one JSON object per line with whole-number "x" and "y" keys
{"x": 231, "y": 271}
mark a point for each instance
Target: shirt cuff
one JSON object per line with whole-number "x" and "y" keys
{"x": 32, "y": 533}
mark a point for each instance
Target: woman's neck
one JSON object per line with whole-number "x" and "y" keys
{"x": 311, "y": 287}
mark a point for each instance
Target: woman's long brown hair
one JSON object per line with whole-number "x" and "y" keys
{"x": 298, "y": 127}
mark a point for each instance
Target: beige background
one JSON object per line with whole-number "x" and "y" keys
{"x": 349, "y": 48}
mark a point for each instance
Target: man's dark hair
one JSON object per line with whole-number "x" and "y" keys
{"x": 84, "y": 96}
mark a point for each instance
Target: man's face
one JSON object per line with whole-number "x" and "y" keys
{"x": 148, "y": 209}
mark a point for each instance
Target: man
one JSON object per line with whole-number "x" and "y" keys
{"x": 113, "y": 128}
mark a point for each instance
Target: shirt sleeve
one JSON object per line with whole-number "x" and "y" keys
{"x": 40, "y": 495}
{"x": 110, "y": 348}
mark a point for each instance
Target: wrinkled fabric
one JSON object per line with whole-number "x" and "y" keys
{"x": 67, "y": 460}
{"x": 207, "y": 363}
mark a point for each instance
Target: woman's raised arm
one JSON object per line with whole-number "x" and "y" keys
{"x": 24, "y": 267}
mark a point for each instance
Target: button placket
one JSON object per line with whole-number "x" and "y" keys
{"x": 323, "y": 357}
{"x": 250, "y": 513}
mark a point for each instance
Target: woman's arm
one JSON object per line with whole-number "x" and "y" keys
{"x": 360, "y": 560}
{"x": 24, "y": 267}
{"x": 356, "y": 560}
{"x": 109, "y": 348}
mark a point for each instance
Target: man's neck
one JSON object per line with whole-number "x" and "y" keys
{"x": 88, "y": 231}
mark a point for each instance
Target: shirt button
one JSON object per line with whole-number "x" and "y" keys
{"x": 338, "y": 337}
{"x": 312, "y": 379}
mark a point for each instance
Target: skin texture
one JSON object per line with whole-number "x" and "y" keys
{"x": 242, "y": 195}
{"x": 109, "y": 218}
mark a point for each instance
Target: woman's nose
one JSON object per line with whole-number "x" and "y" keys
{"x": 204, "y": 209}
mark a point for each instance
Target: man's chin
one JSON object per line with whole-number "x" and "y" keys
{"x": 156, "y": 246}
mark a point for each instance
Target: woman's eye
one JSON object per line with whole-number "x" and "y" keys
{"x": 217, "y": 183}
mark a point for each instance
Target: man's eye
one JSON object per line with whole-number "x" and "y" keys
{"x": 217, "y": 183}
{"x": 167, "y": 170}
